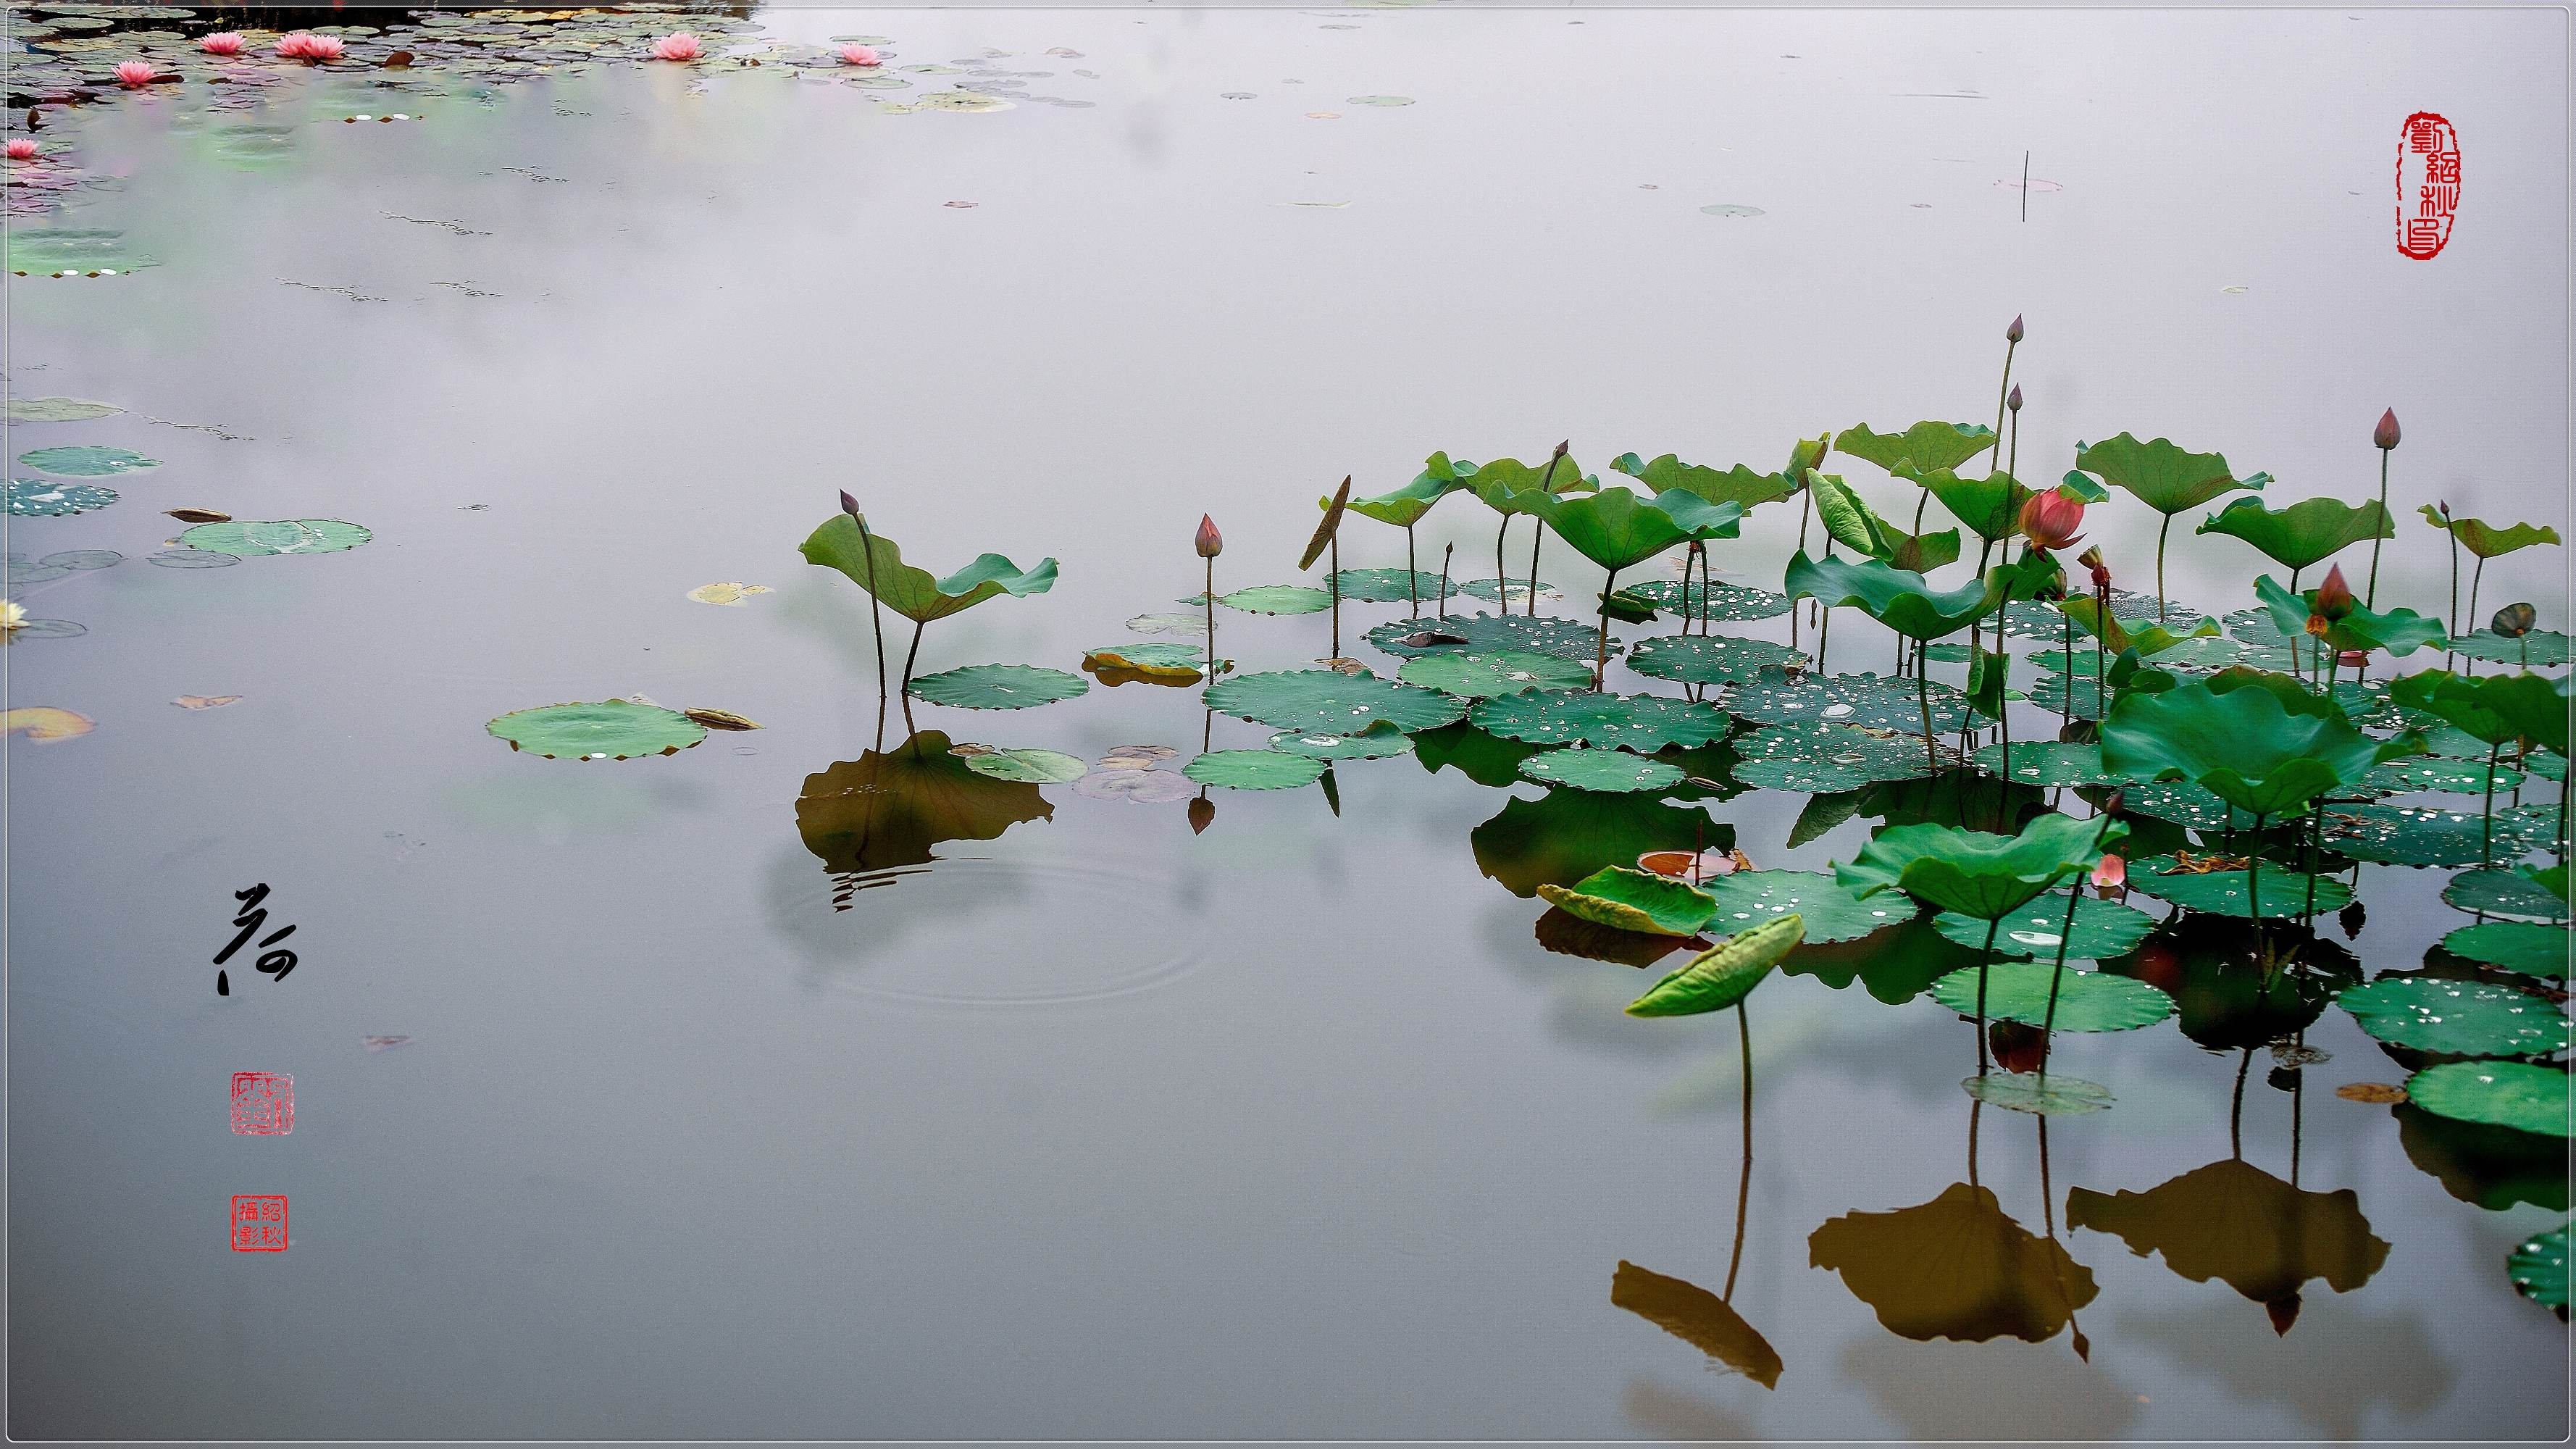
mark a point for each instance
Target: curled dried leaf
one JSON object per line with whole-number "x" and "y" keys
{"x": 722, "y": 719}
{"x": 2377, "y": 1094}
{"x": 199, "y": 515}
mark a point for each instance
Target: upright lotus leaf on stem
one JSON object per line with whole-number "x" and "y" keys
{"x": 1898, "y": 598}
{"x": 1990, "y": 507}
{"x": 1615, "y": 528}
{"x": 1725, "y": 973}
{"x": 1738, "y": 485}
{"x": 1853, "y": 524}
{"x": 875, "y": 563}
{"x": 1328, "y": 536}
{"x": 2245, "y": 744}
{"x": 1509, "y": 486}
{"x": 2384, "y": 437}
{"x": 2485, "y": 541}
{"x": 1926, "y": 445}
{"x": 2355, "y": 628}
{"x": 2496, "y": 710}
{"x": 2150, "y": 640}
{"x": 2166, "y": 478}
{"x": 2303, "y": 535}
{"x": 1405, "y": 506}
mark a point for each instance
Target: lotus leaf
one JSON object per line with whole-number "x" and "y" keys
{"x": 1384, "y": 586}
{"x": 1254, "y": 769}
{"x": 1181, "y": 662}
{"x": 2050, "y": 1094}
{"x": 2150, "y": 640}
{"x": 912, "y": 592}
{"x": 2546, "y": 764}
{"x": 1643, "y": 722}
{"x": 1826, "y": 757}
{"x": 2519, "y": 1095}
{"x": 55, "y": 565}
{"x": 1975, "y": 873}
{"x": 1739, "y": 485}
{"x": 2447, "y": 776}
{"x": 1573, "y": 936}
{"x": 2182, "y": 803}
{"x": 2041, "y": 619}
{"x": 888, "y": 809}
{"x": 2103, "y": 929}
{"x": 2303, "y": 535}
{"x": 1485, "y": 634}
{"x": 2489, "y": 1166}
{"x": 2399, "y": 631}
{"x": 44, "y": 724}
{"x": 1034, "y": 767}
{"x": 300, "y": 535}
{"x": 2225, "y": 892}
{"x": 1632, "y": 900}
{"x": 1508, "y": 485}
{"x": 1137, "y": 787}
{"x": 2456, "y": 1018}
{"x": 2495, "y": 709}
{"x": 2524, "y": 946}
{"x": 2240, "y": 743}
{"x": 1776, "y": 697}
{"x": 1609, "y": 772}
{"x": 1505, "y": 591}
{"x": 2503, "y": 893}
{"x": 1704, "y": 1321}
{"x": 87, "y": 461}
{"x": 1484, "y": 676}
{"x": 2019, "y": 991}
{"x": 1830, "y": 912}
{"x": 1379, "y": 741}
{"x": 1566, "y": 835}
{"x": 1726, "y": 603}
{"x": 57, "y": 410}
{"x": 51, "y": 250}
{"x": 2161, "y": 475}
{"x": 1710, "y": 658}
{"x": 1724, "y": 974}
{"x": 2537, "y": 1266}
{"x": 2046, "y": 764}
{"x": 1990, "y": 507}
{"x": 611, "y": 729}
{"x": 1851, "y": 523}
{"x": 1901, "y": 600}
{"x": 1926, "y": 445}
{"x": 1273, "y": 599}
{"x": 1325, "y": 702}
{"x": 1405, "y": 506}
{"x": 2539, "y": 649}
{"x": 2485, "y": 539}
{"x": 2233, "y": 1222}
{"x": 998, "y": 686}
{"x": 2405, "y": 835}
{"x": 1486, "y": 759}
{"x": 1168, "y": 623}
{"x": 1615, "y": 527}
{"x": 39, "y": 497}
{"x": 1955, "y": 1267}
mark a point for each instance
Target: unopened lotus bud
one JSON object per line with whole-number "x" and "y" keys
{"x": 2013, "y": 399}
{"x": 2334, "y": 597}
{"x": 2014, "y": 332}
{"x": 850, "y": 505}
{"x": 2385, "y": 435}
{"x": 1210, "y": 542}
{"x": 1561, "y": 447}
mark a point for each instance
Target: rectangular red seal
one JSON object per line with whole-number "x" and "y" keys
{"x": 2428, "y": 185}
{"x": 263, "y": 1104}
{"x": 259, "y": 1224}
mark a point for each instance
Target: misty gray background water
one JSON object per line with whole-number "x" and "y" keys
{"x": 1103, "y": 1128}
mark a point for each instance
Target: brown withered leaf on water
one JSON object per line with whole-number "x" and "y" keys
{"x": 2376, "y": 1094}
{"x": 199, "y": 515}
{"x": 206, "y": 701}
{"x": 45, "y": 725}
{"x": 720, "y": 719}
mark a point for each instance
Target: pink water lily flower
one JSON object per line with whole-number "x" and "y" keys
{"x": 859, "y": 55}
{"x": 222, "y": 42}
{"x": 678, "y": 45}
{"x": 134, "y": 74}
{"x": 22, "y": 148}
{"x": 308, "y": 47}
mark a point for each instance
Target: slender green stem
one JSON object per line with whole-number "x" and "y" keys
{"x": 2370, "y": 597}
{"x": 1923, "y": 696}
{"x": 1984, "y": 957}
{"x": 876, "y": 616}
{"x": 1412, "y": 576}
{"x": 1208, "y": 596}
{"x": 1601, "y": 661}
{"x": 909, "y": 656}
{"x": 1744, "y": 1180}
{"x": 2486, "y": 837}
{"x": 1335, "y": 564}
{"x": 2066, "y": 628}
{"x": 2477, "y": 576}
{"x": 1502, "y": 586}
{"x": 1824, "y": 630}
{"x": 2254, "y": 874}
{"x": 2160, "y": 567}
{"x": 2048, "y": 1024}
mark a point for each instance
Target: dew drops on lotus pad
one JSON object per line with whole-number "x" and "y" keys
{"x": 1644, "y": 722}
{"x": 1607, "y": 772}
{"x": 1485, "y": 676}
{"x": 1709, "y": 658}
{"x": 1823, "y": 758}
{"x": 292, "y": 535}
{"x": 2284, "y": 891}
{"x": 2017, "y": 990}
{"x": 2456, "y": 1018}
{"x": 2102, "y": 929}
{"x": 1777, "y": 697}
{"x": 1253, "y": 770}
{"x": 614, "y": 729}
{"x": 1488, "y": 634}
{"x": 1328, "y": 702}
{"x": 1830, "y": 912}
{"x": 1725, "y": 603}
{"x": 999, "y": 686}
{"x": 42, "y": 497}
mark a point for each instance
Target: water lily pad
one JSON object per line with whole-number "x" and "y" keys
{"x": 1381, "y": 100}
{"x": 964, "y": 101}
{"x": 2183, "y": 803}
{"x": 2503, "y": 893}
{"x": 1709, "y": 658}
{"x": 1608, "y": 772}
{"x": 2080, "y": 696}
{"x": 192, "y": 558}
{"x": 1168, "y": 623}
{"x": 2435, "y": 772}
{"x": 57, "y": 410}
{"x": 1142, "y": 787}
{"x": 1277, "y": 599}
{"x": 2224, "y": 892}
{"x": 1777, "y": 697}
{"x": 294, "y": 535}
{"x": 1484, "y": 676}
{"x": 610, "y": 729}
{"x": 999, "y": 686}
{"x": 2537, "y": 1267}
{"x": 87, "y": 461}
{"x": 1632, "y": 900}
{"x": 40, "y": 497}
{"x": 1830, "y": 912}
{"x": 1184, "y": 662}
{"x": 2539, "y": 649}
{"x": 2017, "y": 990}
{"x": 2053, "y": 1095}
{"x": 1386, "y": 586}
{"x": 44, "y": 252}
{"x": 2547, "y": 764}
{"x": 2047, "y": 763}
{"x": 1507, "y": 591}
{"x": 1724, "y": 974}
{"x": 1379, "y": 741}
{"x": 1487, "y": 634}
{"x": 2410, "y": 835}
{"x": 729, "y": 592}
{"x": 1252, "y": 770}
{"x": 2102, "y": 929}
{"x": 1725, "y": 603}
{"x": 2456, "y": 1018}
{"x": 27, "y": 629}
{"x": 1730, "y": 208}
{"x": 1824, "y": 758}
{"x": 1325, "y": 701}
{"x": 1641, "y": 722}
{"x": 2525, "y": 946}
{"x": 2520, "y": 1095}
{"x": 1028, "y": 766}
{"x": 2039, "y": 619}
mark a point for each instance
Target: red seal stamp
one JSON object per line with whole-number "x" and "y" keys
{"x": 259, "y": 1224}
{"x": 263, "y": 1104}
{"x": 2428, "y": 185}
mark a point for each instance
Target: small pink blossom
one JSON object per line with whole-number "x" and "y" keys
{"x": 2110, "y": 874}
{"x": 222, "y": 42}
{"x": 678, "y": 45}
{"x": 134, "y": 74}
{"x": 306, "y": 46}
{"x": 22, "y": 148}
{"x": 859, "y": 55}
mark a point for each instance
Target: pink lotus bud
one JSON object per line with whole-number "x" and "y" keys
{"x": 1210, "y": 542}
{"x": 850, "y": 505}
{"x": 134, "y": 74}
{"x": 222, "y": 42}
{"x": 2014, "y": 332}
{"x": 2049, "y": 520}
{"x": 2385, "y": 435}
{"x": 678, "y": 45}
{"x": 22, "y": 148}
{"x": 2091, "y": 558}
{"x": 2334, "y": 596}
{"x": 859, "y": 55}
{"x": 2110, "y": 873}
{"x": 2013, "y": 399}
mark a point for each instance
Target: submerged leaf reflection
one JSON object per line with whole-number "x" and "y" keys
{"x": 2241, "y": 1225}
{"x": 1954, "y": 1267}
{"x": 889, "y": 808}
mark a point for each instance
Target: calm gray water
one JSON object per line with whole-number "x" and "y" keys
{"x": 1103, "y": 1127}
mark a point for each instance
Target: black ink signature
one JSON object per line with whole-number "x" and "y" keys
{"x": 253, "y": 916}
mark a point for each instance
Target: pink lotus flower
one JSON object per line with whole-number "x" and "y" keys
{"x": 858, "y": 55}
{"x": 310, "y": 48}
{"x": 222, "y": 42}
{"x": 134, "y": 74}
{"x": 2110, "y": 874}
{"x": 678, "y": 45}
{"x": 2050, "y": 520}
{"x": 22, "y": 148}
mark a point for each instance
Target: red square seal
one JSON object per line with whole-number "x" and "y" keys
{"x": 259, "y": 1224}
{"x": 263, "y": 1104}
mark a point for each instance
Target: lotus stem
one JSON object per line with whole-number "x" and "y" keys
{"x": 2370, "y": 595}
{"x": 1502, "y": 590}
{"x": 2254, "y": 877}
{"x": 2002, "y": 390}
{"x": 909, "y": 656}
{"x": 2477, "y": 576}
{"x": 876, "y": 616}
{"x": 1984, "y": 957}
{"x": 1446, "y": 549}
{"x": 1823, "y": 631}
{"x": 1335, "y": 564}
{"x": 2160, "y": 567}
{"x": 2316, "y": 827}
{"x": 2486, "y": 838}
{"x": 1806, "y": 505}
{"x": 2048, "y": 1023}
{"x": 1744, "y": 1180}
{"x": 1546, "y": 484}
{"x": 1601, "y": 662}
{"x": 1922, "y": 696}
{"x": 2454, "y": 628}
{"x": 2066, "y": 626}
{"x": 1207, "y": 596}
{"x": 1412, "y": 579}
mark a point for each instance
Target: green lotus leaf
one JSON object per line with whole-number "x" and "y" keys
{"x": 2546, "y": 764}
{"x": 2241, "y": 744}
{"x": 2306, "y": 533}
{"x": 1975, "y": 873}
{"x": 1990, "y": 507}
{"x": 2412, "y": 835}
{"x": 1632, "y": 900}
{"x": 1615, "y": 527}
{"x": 1274, "y": 599}
{"x": 1827, "y": 757}
{"x": 1567, "y": 835}
{"x": 611, "y": 729}
{"x": 2042, "y": 619}
{"x": 2086, "y": 1000}
{"x": 1724, "y": 974}
{"x": 57, "y": 410}
{"x": 1851, "y": 523}
{"x": 2504, "y": 893}
{"x": 2226, "y": 892}
{"x": 1697, "y": 1317}
{"x": 1325, "y": 702}
{"x": 889, "y": 809}
{"x": 43, "y": 497}
{"x": 2150, "y": 640}
{"x": 1168, "y": 622}
{"x": 1027, "y": 766}
{"x": 2240, "y": 1225}
{"x": 1874, "y": 701}
{"x": 49, "y": 250}
{"x": 1253, "y": 770}
{"x": 1488, "y": 760}
{"x": 2485, "y": 539}
{"x": 1508, "y": 485}
{"x": 2494, "y": 709}
{"x": 2456, "y": 1018}
{"x": 1505, "y": 591}
{"x": 1484, "y": 676}
{"x": 1710, "y": 658}
{"x": 2051, "y": 1095}
{"x": 1955, "y": 1267}
{"x": 2437, "y": 774}
{"x": 1183, "y": 663}
{"x": 1725, "y": 603}
{"x": 2047, "y": 764}
{"x": 1739, "y": 485}
{"x": 294, "y": 535}
{"x": 1628, "y": 608}
{"x": 1642, "y": 722}
{"x": 1486, "y": 634}
{"x": 1405, "y": 506}
{"x": 2103, "y": 929}
{"x": 1926, "y": 445}
{"x": 1384, "y": 586}
{"x": 1901, "y": 600}
{"x": 912, "y": 592}
{"x": 2182, "y": 803}
{"x": 1378, "y": 742}
{"x": 2539, "y": 649}
{"x": 1607, "y": 772}
{"x": 998, "y": 686}
{"x": 1747, "y": 898}
{"x": 1895, "y": 965}
{"x": 2520, "y": 1095}
{"x": 2399, "y": 631}
{"x": 2524, "y": 946}
{"x": 87, "y": 461}
{"x": 2537, "y": 1267}
{"x": 2487, "y": 1166}
{"x": 2162, "y": 476}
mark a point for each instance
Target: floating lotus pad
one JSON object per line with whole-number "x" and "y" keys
{"x": 999, "y": 686}
{"x": 1142, "y": 787}
{"x": 1488, "y": 634}
{"x": 1171, "y": 659}
{"x": 1323, "y": 701}
{"x": 2537, "y": 1267}
{"x": 1026, "y": 766}
{"x": 2409, "y": 835}
{"x": 1484, "y": 676}
{"x": 57, "y": 410}
{"x": 2050, "y": 1095}
{"x": 1642, "y": 722}
{"x": 2086, "y": 1000}
{"x": 1709, "y": 658}
{"x": 87, "y": 461}
{"x": 40, "y": 497}
{"x": 192, "y": 558}
{"x": 1512, "y": 591}
{"x": 1607, "y": 772}
{"x": 2503, "y": 893}
{"x": 1378, "y": 742}
{"x": 1633, "y": 900}
{"x": 1722, "y": 975}
{"x": 2038, "y": 619}
{"x": 1726, "y": 603}
{"x": 1168, "y": 623}
{"x": 1385, "y": 586}
{"x": 2456, "y": 1018}
{"x": 1776, "y": 697}
{"x": 2047, "y": 764}
{"x": 2081, "y": 696}
{"x": 2541, "y": 648}
{"x": 2102, "y": 929}
{"x": 2183, "y": 803}
{"x": 1252, "y": 770}
{"x": 2519, "y": 1095}
{"x": 293, "y": 535}
{"x": 1276, "y": 599}
{"x": 1825, "y": 758}
{"x": 1830, "y": 912}
{"x": 47, "y": 251}
{"x": 616, "y": 729}
{"x": 2437, "y": 773}
{"x": 2223, "y": 892}
{"x": 2524, "y": 946}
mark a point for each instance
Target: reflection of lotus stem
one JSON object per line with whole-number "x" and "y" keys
{"x": 2236, "y": 1110}
{"x": 2486, "y": 840}
{"x": 1744, "y": 1181}
{"x": 1983, "y": 957}
{"x": 2254, "y": 881}
{"x": 1601, "y": 662}
{"x": 2370, "y": 596}
{"x": 2316, "y": 826}
{"x": 2160, "y": 567}
{"x": 2048, "y": 1023}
